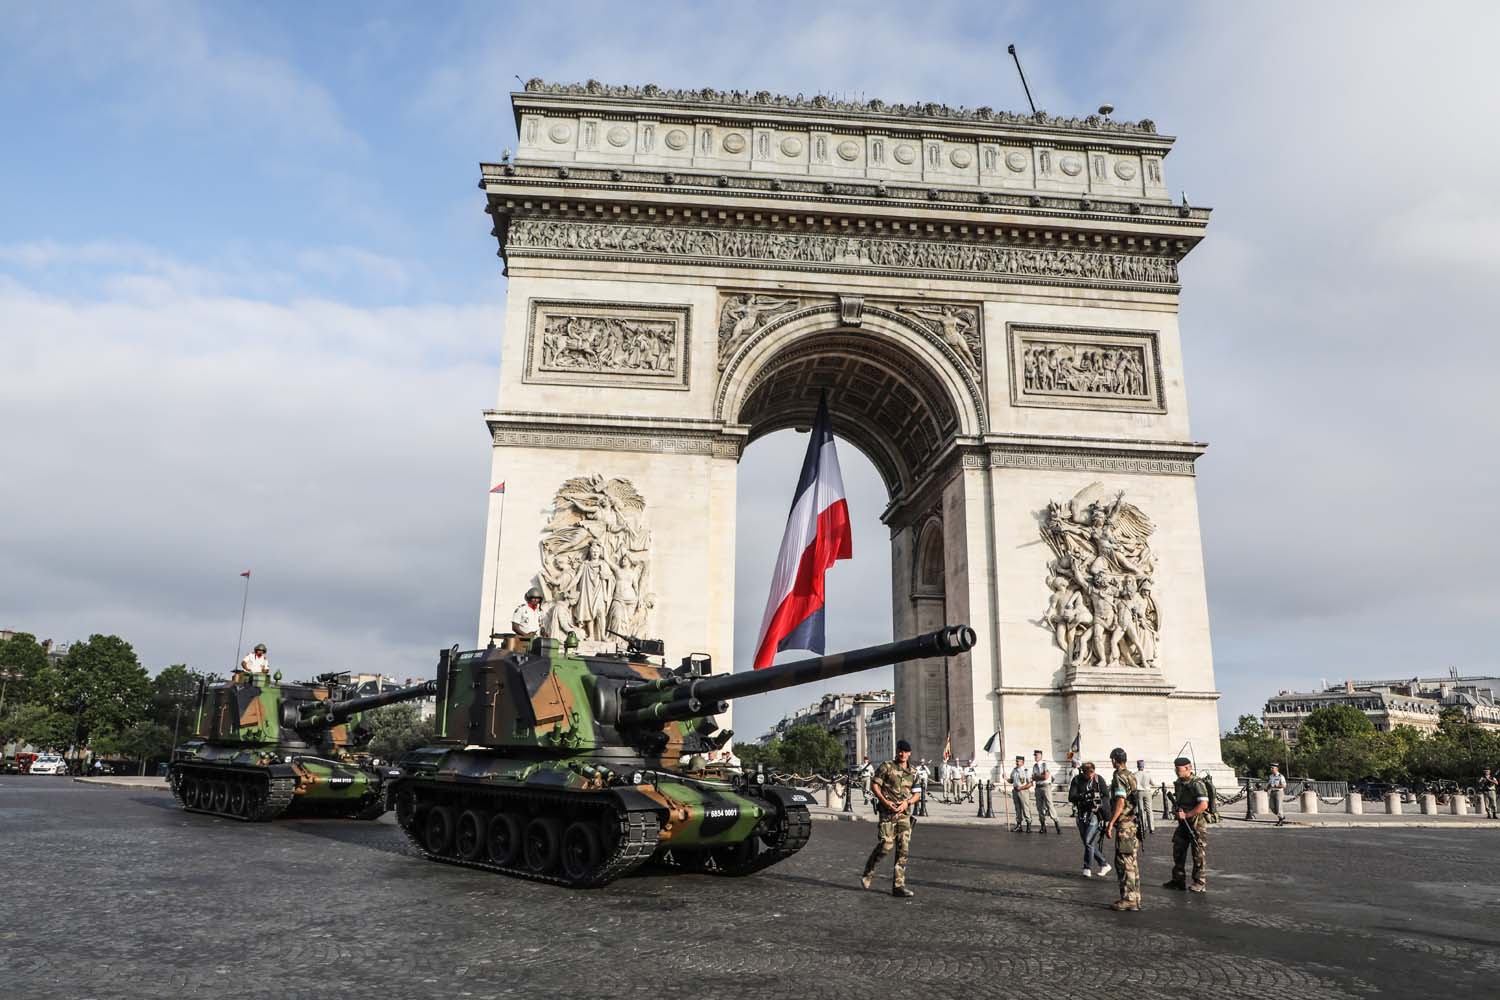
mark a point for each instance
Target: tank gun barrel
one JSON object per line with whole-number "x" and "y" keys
{"x": 331, "y": 713}
{"x": 640, "y": 705}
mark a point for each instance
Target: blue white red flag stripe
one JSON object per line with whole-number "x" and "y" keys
{"x": 817, "y": 535}
{"x": 246, "y": 574}
{"x": 499, "y": 489}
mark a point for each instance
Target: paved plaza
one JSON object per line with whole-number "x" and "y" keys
{"x": 114, "y": 893}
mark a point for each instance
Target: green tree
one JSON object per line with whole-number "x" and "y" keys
{"x": 807, "y": 748}
{"x": 396, "y": 729}
{"x": 1332, "y": 722}
{"x": 38, "y": 726}
{"x": 143, "y": 741}
{"x": 1250, "y": 748}
{"x": 752, "y": 755}
{"x": 103, "y": 686}
{"x": 174, "y": 697}
{"x": 25, "y": 674}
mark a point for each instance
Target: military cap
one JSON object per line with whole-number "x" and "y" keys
{"x": 533, "y": 592}
{"x": 1118, "y": 755}
{"x": 1276, "y": 765}
{"x": 1036, "y": 751}
{"x": 260, "y": 647}
{"x": 903, "y": 747}
{"x": 1020, "y": 756}
{"x": 1183, "y": 762}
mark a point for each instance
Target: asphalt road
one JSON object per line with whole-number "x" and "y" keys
{"x": 113, "y": 893}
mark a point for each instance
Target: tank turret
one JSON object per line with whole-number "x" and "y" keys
{"x": 261, "y": 747}
{"x": 569, "y": 768}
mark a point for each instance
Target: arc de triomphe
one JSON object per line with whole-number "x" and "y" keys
{"x": 990, "y": 301}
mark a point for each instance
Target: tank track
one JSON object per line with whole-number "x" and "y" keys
{"x": 789, "y": 837}
{"x": 272, "y": 796}
{"x": 636, "y": 841}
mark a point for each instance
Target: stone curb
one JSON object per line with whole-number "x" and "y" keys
{"x": 142, "y": 781}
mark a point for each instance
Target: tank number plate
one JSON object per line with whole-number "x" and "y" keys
{"x": 727, "y": 812}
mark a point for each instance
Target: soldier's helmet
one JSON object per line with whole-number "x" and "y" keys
{"x": 533, "y": 594}
{"x": 1117, "y": 755}
{"x": 260, "y": 647}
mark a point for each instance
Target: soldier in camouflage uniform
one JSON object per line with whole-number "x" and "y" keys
{"x": 1487, "y": 786}
{"x": 892, "y": 786}
{"x": 1123, "y": 827}
{"x": 1191, "y": 796}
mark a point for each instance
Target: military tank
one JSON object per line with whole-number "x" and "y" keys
{"x": 261, "y": 749}
{"x": 569, "y": 769}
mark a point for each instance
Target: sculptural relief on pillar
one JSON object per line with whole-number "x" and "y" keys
{"x": 596, "y": 563}
{"x": 1102, "y": 612}
{"x": 635, "y": 345}
{"x": 742, "y": 315}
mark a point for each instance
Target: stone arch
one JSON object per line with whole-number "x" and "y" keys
{"x": 898, "y": 392}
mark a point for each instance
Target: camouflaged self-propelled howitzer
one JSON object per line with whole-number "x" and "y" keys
{"x": 566, "y": 768}
{"x": 262, "y": 748}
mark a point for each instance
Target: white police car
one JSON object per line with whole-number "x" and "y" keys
{"x": 49, "y": 763}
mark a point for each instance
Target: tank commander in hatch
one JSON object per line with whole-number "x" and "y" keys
{"x": 256, "y": 662}
{"x": 526, "y": 620}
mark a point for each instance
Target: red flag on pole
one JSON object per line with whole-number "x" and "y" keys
{"x": 499, "y": 489}
{"x": 246, "y": 574}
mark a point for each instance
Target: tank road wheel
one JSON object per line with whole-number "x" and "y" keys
{"x": 439, "y": 830}
{"x": 406, "y": 809}
{"x": 220, "y": 795}
{"x": 580, "y": 851}
{"x": 503, "y": 839}
{"x": 470, "y": 839}
{"x": 543, "y": 843}
{"x": 237, "y": 798}
{"x": 190, "y": 791}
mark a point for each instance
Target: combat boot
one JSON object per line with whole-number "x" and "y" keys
{"x": 1198, "y": 887}
{"x": 867, "y": 879}
{"x": 1174, "y": 884}
{"x": 902, "y": 892}
{"x": 1124, "y": 904}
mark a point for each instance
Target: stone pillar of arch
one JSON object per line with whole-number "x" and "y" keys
{"x": 993, "y": 314}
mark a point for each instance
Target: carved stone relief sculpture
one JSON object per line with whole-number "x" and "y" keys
{"x": 596, "y": 554}
{"x": 957, "y": 326}
{"x": 600, "y": 343}
{"x": 966, "y": 259}
{"x": 1102, "y": 613}
{"x": 1085, "y": 368}
{"x": 742, "y": 315}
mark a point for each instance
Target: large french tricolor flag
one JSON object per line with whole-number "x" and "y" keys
{"x": 817, "y": 534}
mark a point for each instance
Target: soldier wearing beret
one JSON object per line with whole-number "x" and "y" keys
{"x": 1191, "y": 796}
{"x": 894, "y": 798}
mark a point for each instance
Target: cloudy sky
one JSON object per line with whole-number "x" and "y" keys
{"x": 249, "y": 307}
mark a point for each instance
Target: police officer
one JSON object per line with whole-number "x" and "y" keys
{"x": 1020, "y": 784}
{"x": 1041, "y": 778}
{"x": 526, "y": 620}
{"x": 894, "y": 798}
{"x": 1191, "y": 796}
{"x": 1123, "y": 828}
{"x": 1277, "y": 784}
{"x": 1487, "y": 787}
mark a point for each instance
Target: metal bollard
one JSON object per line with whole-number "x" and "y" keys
{"x": 979, "y": 787}
{"x": 989, "y": 795}
{"x": 848, "y": 796}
